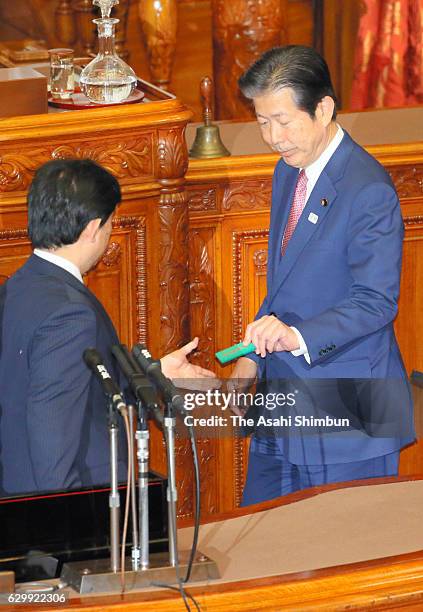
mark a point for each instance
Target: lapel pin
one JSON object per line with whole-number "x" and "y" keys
{"x": 313, "y": 218}
{"x": 324, "y": 202}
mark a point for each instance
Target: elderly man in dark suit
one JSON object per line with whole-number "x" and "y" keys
{"x": 53, "y": 422}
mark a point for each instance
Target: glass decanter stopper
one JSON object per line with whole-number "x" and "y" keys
{"x": 105, "y": 6}
{"x": 107, "y": 79}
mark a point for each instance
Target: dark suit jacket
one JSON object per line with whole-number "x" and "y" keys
{"x": 53, "y": 414}
{"x": 338, "y": 284}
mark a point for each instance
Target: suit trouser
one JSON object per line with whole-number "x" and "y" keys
{"x": 271, "y": 475}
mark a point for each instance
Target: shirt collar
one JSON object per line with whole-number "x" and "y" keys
{"x": 59, "y": 261}
{"x": 314, "y": 170}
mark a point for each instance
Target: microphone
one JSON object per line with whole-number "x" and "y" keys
{"x": 94, "y": 361}
{"x": 140, "y": 385}
{"x": 153, "y": 370}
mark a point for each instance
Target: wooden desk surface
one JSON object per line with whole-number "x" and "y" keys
{"x": 354, "y": 546}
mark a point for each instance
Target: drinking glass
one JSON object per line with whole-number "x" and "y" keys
{"x": 61, "y": 73}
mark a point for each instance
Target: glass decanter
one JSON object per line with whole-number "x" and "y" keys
{"x": 107, "y": 79}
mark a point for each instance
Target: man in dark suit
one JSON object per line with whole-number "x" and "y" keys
{"x": 325, "y": 329}
{"x": 53, "y": 417}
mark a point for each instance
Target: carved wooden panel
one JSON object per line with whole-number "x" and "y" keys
{"x": 248, "y": 195}
{"x": 409, "y": 323}
{"x": 408, "y": 180}
{"x": 249, "y": 290}
{"x": 119, "y": 279}
{"x": 203, "y": 294}
{"x": 209, "y": 474}
{"x": 409, "y": 328}
{"x": 159, "y": 25}
{"x": 126, "y": 158}
{"x": 15, "y": 248}
{"x": 173, "y": 219}
{"x": 172, "y": 155}
{"x": 242, "y": 31}
{"x": 201, "y": 199}
{"x": 249, "y": 277}
{"x": 202, "y": 324}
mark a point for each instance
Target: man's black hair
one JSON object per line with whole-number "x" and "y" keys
{"x": 300, "y": 68}
{"x": 64, "y": 196}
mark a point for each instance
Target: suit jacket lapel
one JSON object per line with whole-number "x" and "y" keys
{"x": 284, "y": 196}
{"x": 324, "y": 188}
{"x": 305, "y": 227}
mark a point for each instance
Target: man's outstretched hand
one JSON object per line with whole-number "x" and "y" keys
{"x": 186, "y": 375}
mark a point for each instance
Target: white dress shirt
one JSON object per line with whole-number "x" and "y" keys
{"x": 57, "y": 260}
{"x": 313, "y": 172}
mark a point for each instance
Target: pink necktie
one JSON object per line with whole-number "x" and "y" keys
{"x": 297, "y": 208}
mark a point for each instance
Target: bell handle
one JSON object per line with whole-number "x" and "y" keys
{"x": 207, "y": 93}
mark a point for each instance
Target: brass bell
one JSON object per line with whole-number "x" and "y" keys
{"x": 207, "y": 141}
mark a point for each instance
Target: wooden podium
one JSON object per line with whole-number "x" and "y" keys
{"x": 188, "y": 252}
{"x": 339, "y": 547}
{"x": 143, "y": 277}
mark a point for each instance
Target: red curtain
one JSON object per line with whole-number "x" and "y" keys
{"x": 388, "y": 67}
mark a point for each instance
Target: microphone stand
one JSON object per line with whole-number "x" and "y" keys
{"x": 114, "y": 500}
{"x": 146, "y": 405}
{"x": 135, "y": 542}
{"x": 169, "y": 423}
{"x": 143, "y": 437}
{"x": 103, "y": 574}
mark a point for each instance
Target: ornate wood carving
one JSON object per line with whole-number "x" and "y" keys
{"x": 173, "y": 271}
{"x": 238, "y": 241}
{"x": 242, "y": 31}
{"x": 248, "y": 195}
{"x": 130, "y": 158}
{"x": 137, "y": 224}
{"x": 112, "y": 256}
{"x": 206, "y": 452}
{"x": 260, "y": 261}
{"x": 172, "y": 156}
{"x": 184, "y": 478}
{"x": 17, "y": 169}
{"x": 202, "y": 296}
{"x": 159, "y": 26}
{"x": 13, "y": 234}
{"x": 202, "y": 199}
{"x": 208, "y": 473}
{"x": 239, "y": 468}
{"x": 173, "y": 219}
{"x": 408, "y": 180}
{"x": 413, "y": 220}
{"x": 65, "y": 28}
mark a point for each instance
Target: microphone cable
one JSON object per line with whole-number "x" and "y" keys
{"x": 149, "y": 367}
{"x": 180, "y": 588}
